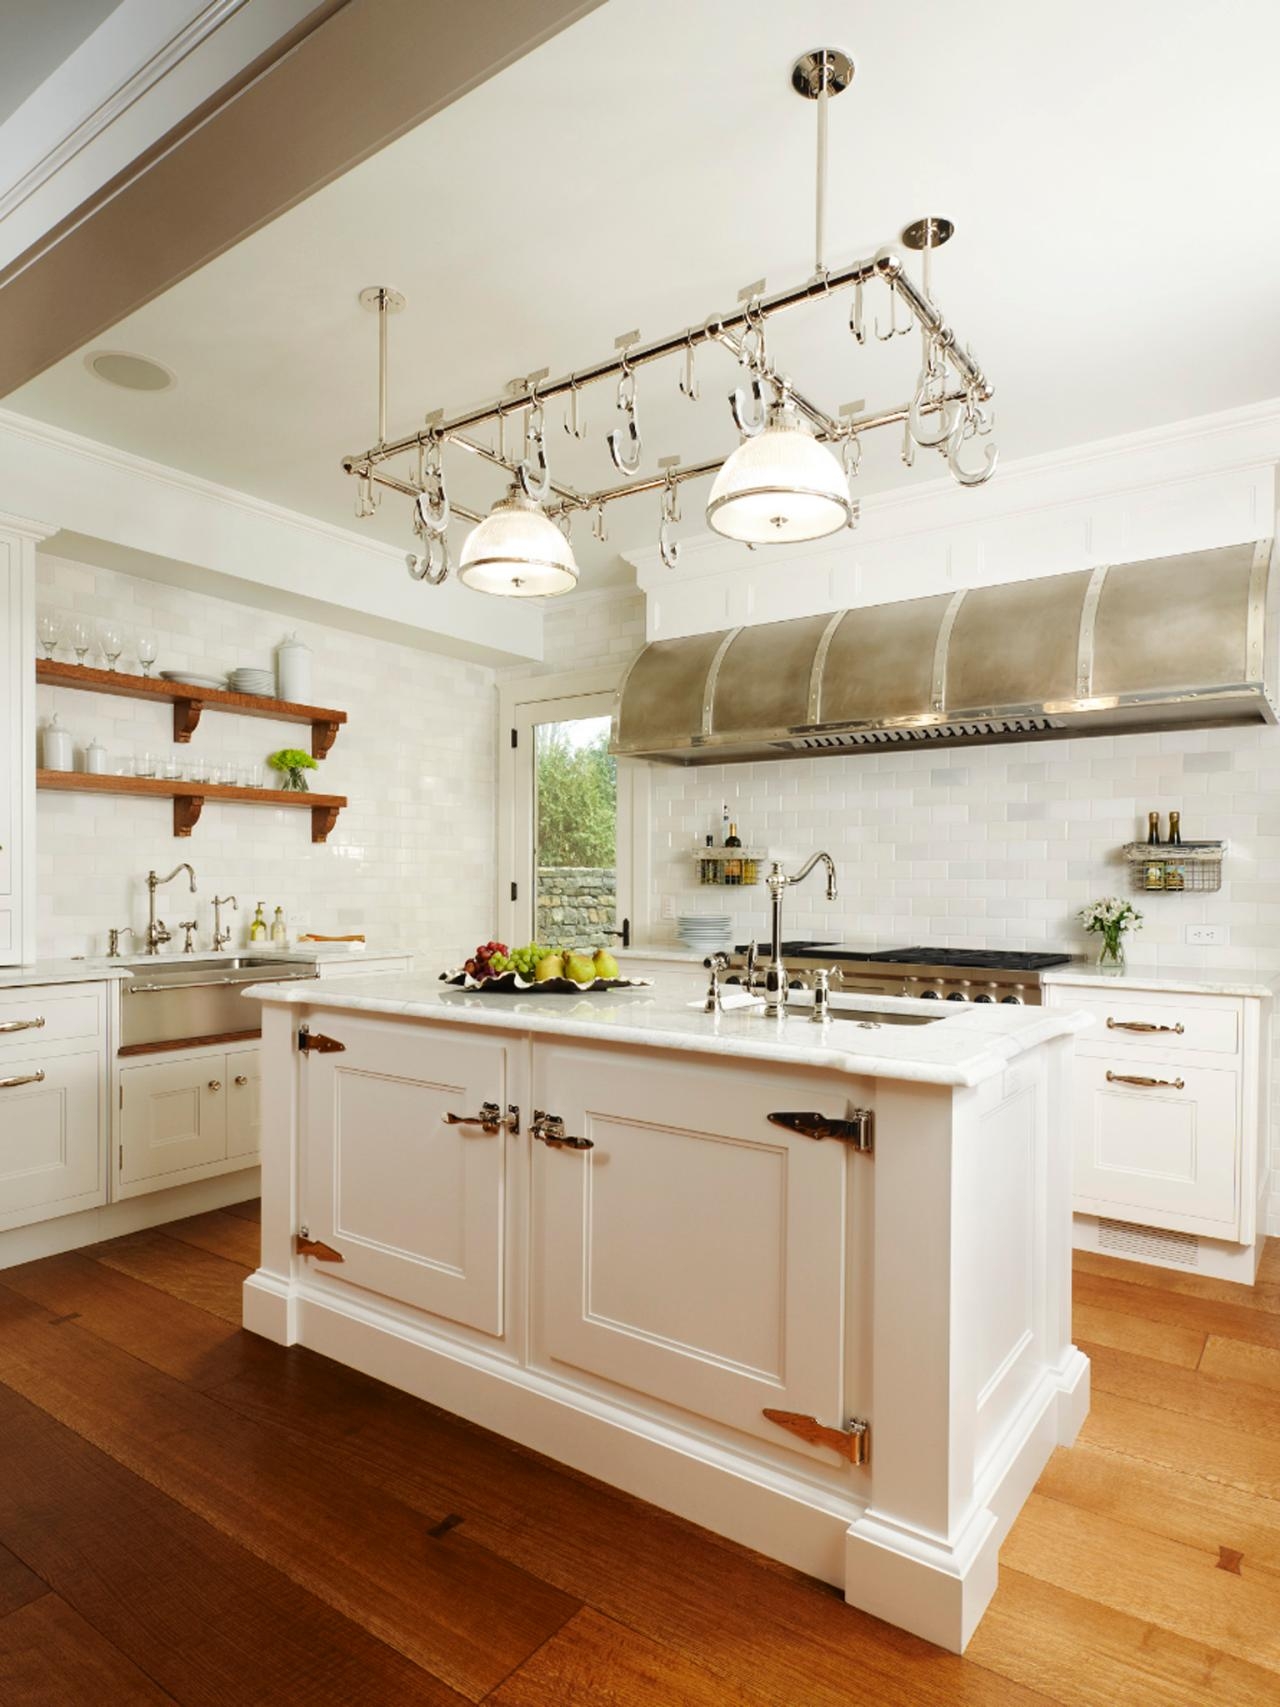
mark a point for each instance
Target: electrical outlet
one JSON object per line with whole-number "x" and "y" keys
{"x": 668, "y": 906}
{"x": 1206, "y": 934}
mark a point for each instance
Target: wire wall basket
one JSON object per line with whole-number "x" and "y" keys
{"x": 1191, "y": 867}
{"x": 729, "y": 868}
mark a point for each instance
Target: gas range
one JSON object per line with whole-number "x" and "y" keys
{"x": 931, "y": 974}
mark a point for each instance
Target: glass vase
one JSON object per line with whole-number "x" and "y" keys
{"x": 295, "y": 782}
{"x": 1111, "y": 954}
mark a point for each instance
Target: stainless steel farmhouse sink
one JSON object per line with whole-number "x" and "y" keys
{"x": 170, "y": 1001}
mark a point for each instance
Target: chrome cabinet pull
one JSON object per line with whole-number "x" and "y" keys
{"x": 22, "y": 1079}
{"x": 22, "y": 1024}
{"x": 549, "y": 1129}
{"x": 490, "y": 1119}
{"x": 1147, "y": 1084}
{"x": 1143, "y": 1025}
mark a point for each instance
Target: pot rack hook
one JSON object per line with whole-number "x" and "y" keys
{"x": 599, "y": 529}
{"x": 432, "y": 565}
{"x": 367, "y": 495}
{"x": 856, "y": 323}
{"x": 532, "y": 471}
{"x": 972, "y": 421}
{"x": 930, "y": 398}
{"x": 895, "y": 331}
{"x": 574, "y": 425}
{"x": 689, "y": 386}
{"x": 431, "y": 507}
{"x": 669, "y": 548}
{"x": 624, "y": 441}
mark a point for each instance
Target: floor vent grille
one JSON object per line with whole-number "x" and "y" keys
{"x": 1149, "y": 1244}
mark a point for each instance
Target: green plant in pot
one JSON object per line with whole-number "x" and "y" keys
{"x": 292, "y": 764}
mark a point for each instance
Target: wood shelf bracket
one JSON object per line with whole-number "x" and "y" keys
{"x": 323, "y": 818}
{"x": 323, "y": 734}
{"x": 186, "y": 716}
{"x": 186, "y": 813}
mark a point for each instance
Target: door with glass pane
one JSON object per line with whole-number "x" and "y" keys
{"x": 567, "y": 871}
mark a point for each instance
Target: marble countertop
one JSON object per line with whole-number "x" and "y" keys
{"x": 1187, "y": 980}
{"x": 90, "y": 970}
{"x": 964, "y": 1047}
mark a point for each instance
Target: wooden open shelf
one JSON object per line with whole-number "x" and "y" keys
{"x": 189, "y": 797}
{"x": 188, "y": 702}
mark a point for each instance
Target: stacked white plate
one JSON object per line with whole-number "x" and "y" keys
{"x": 705, "y": 933}
{"x": 252, "y": 681}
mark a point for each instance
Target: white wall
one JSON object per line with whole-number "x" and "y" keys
{"x": 411, "y": 859}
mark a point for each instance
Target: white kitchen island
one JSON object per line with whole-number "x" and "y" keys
{"x": 851, "y": 1351}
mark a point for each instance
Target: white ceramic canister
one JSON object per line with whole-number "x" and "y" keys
{"x": 293, "y": 670}
{"x": 57, "y": 746}
{"x": 95, "y": 758}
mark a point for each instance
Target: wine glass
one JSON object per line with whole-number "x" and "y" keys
{"x": 146, "y": 652}
{"x": 81, "y": 638}
{"x": 49, "y": 628}
{"x": 111, "y": 639}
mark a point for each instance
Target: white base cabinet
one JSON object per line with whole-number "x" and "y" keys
{"x": 184, "y": 1116}
{"x": 856, "y": 1362}
{"x": 1170, "y": 1105}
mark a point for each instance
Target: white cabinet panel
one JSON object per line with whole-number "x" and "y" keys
{"x": 173, "y": 1117}
{"x": 51, "y": 1013}
{"x": 414, "y": 1205}
{"x": 1164, "y": 1153}
{"x": 51, "y": 1136}
{"x": 243, "y": 1082}
{"x": 1167, "y": 1023}
{"x": 696, "y": 1252}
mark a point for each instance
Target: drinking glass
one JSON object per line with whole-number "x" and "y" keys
{"x": 146, "y": 652}
{"x": 81, "y": 638}
{"x": 146, "y": 764}
{"x": 49, "y": 627}
{"x": 111, "y": 639}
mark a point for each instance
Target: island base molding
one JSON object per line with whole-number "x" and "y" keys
{"x": 934, "y": 1587}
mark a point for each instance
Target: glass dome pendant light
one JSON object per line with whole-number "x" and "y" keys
{"x": 517, "y": 552}
{"x": 780, "y": 486}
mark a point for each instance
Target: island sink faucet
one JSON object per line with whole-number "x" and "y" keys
{"x": 157, "y": 930}
{"x": 222, "y": 938}
{"x": 775, "y": 973}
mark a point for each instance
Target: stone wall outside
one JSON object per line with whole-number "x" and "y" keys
{"x": 577, "y": 906}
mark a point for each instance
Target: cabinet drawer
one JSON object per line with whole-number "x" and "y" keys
{"x": 51, "y": 1013}
{"x": 52, "y": 1147}
{"x": 1164, "y": 1153}
{"x": 1158, "y": 1022}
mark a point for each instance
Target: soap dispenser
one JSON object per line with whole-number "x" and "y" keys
{"x": 279, "y": 930}
{"x": 258, "y": 929}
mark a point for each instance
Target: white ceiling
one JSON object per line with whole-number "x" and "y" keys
{"x": 1110, "y": 172}
{"x": 36, "y": 36}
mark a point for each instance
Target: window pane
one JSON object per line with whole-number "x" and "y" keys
{"x": 575, "y": 836}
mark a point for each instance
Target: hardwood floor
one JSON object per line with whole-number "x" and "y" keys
{"x": 189, "y": 1514}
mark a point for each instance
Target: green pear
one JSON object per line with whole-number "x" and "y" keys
{"x": 550, "y": 966}
{"x": 606, "y": 965}
{"x": 580, "y": 969}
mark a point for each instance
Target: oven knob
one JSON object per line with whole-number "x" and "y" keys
{"x": 984, "y": 997}
{"x": 957, "y": 996}
{"x": 796, "y": 984}
{"x": 929, "y": 996}
{"x": 733, "y": 978}
{"x": 1011, "y": 1001}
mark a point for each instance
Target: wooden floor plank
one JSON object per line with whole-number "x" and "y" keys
{"x": 1167, "y": 1502}
{"x": 1207, "y": 1315}
{"x": 210, "y": 1283}
{"x": 1259, "y": 1365}
{"x": 1089, "y": 1655}
{"x": 222, "y": 1234}
{"x": 1213, "y": 1452}
{"x": 1160, "y": 1340}
{"x": 162, "y": 1330}
{"x": 201, "y": 1616}
{"x": 1208, "y": 1396}
{"x": 770, "y": 1636}
{"x": 251, "y": 1210}
{"x": 1165, "y": 1583}
{"x": 49, "y": 1657}
{"x": 597, "y": 1662}
{"x": 18, "y": 1583}
{"x": 1264, "y": 1296}
{"x": 451, "y": 1606}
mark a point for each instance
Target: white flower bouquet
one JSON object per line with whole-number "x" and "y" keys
{"x": 1111, "y": 918}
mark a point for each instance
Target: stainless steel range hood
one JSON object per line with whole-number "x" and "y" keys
{"x": 1174, "y": 642}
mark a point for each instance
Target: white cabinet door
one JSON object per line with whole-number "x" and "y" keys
{"x": 52, "y": 1151}
{"x": 243, "y": 1085}
{"x": 414, "y": 1205}
{"x": 1164, "y": 1153}
{"x": 696, "y": 1252}
{"x": 173, "y": 1117}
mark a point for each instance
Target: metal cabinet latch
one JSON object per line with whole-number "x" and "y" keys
{"x": 306, "y": 1246}
{"x": 852, "y": 1442}
{"x": 549, "y": 1129}
{"x": 315, "y": 1043}
{"x": 856, "y": 1129}
{"x": 490, "y": 1119}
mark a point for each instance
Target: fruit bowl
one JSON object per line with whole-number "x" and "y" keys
{"x": 509, "y": 983}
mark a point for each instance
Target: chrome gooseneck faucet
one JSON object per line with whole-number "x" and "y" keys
{"x": 157, "y": 930}
{"x": 775, "y": 973}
